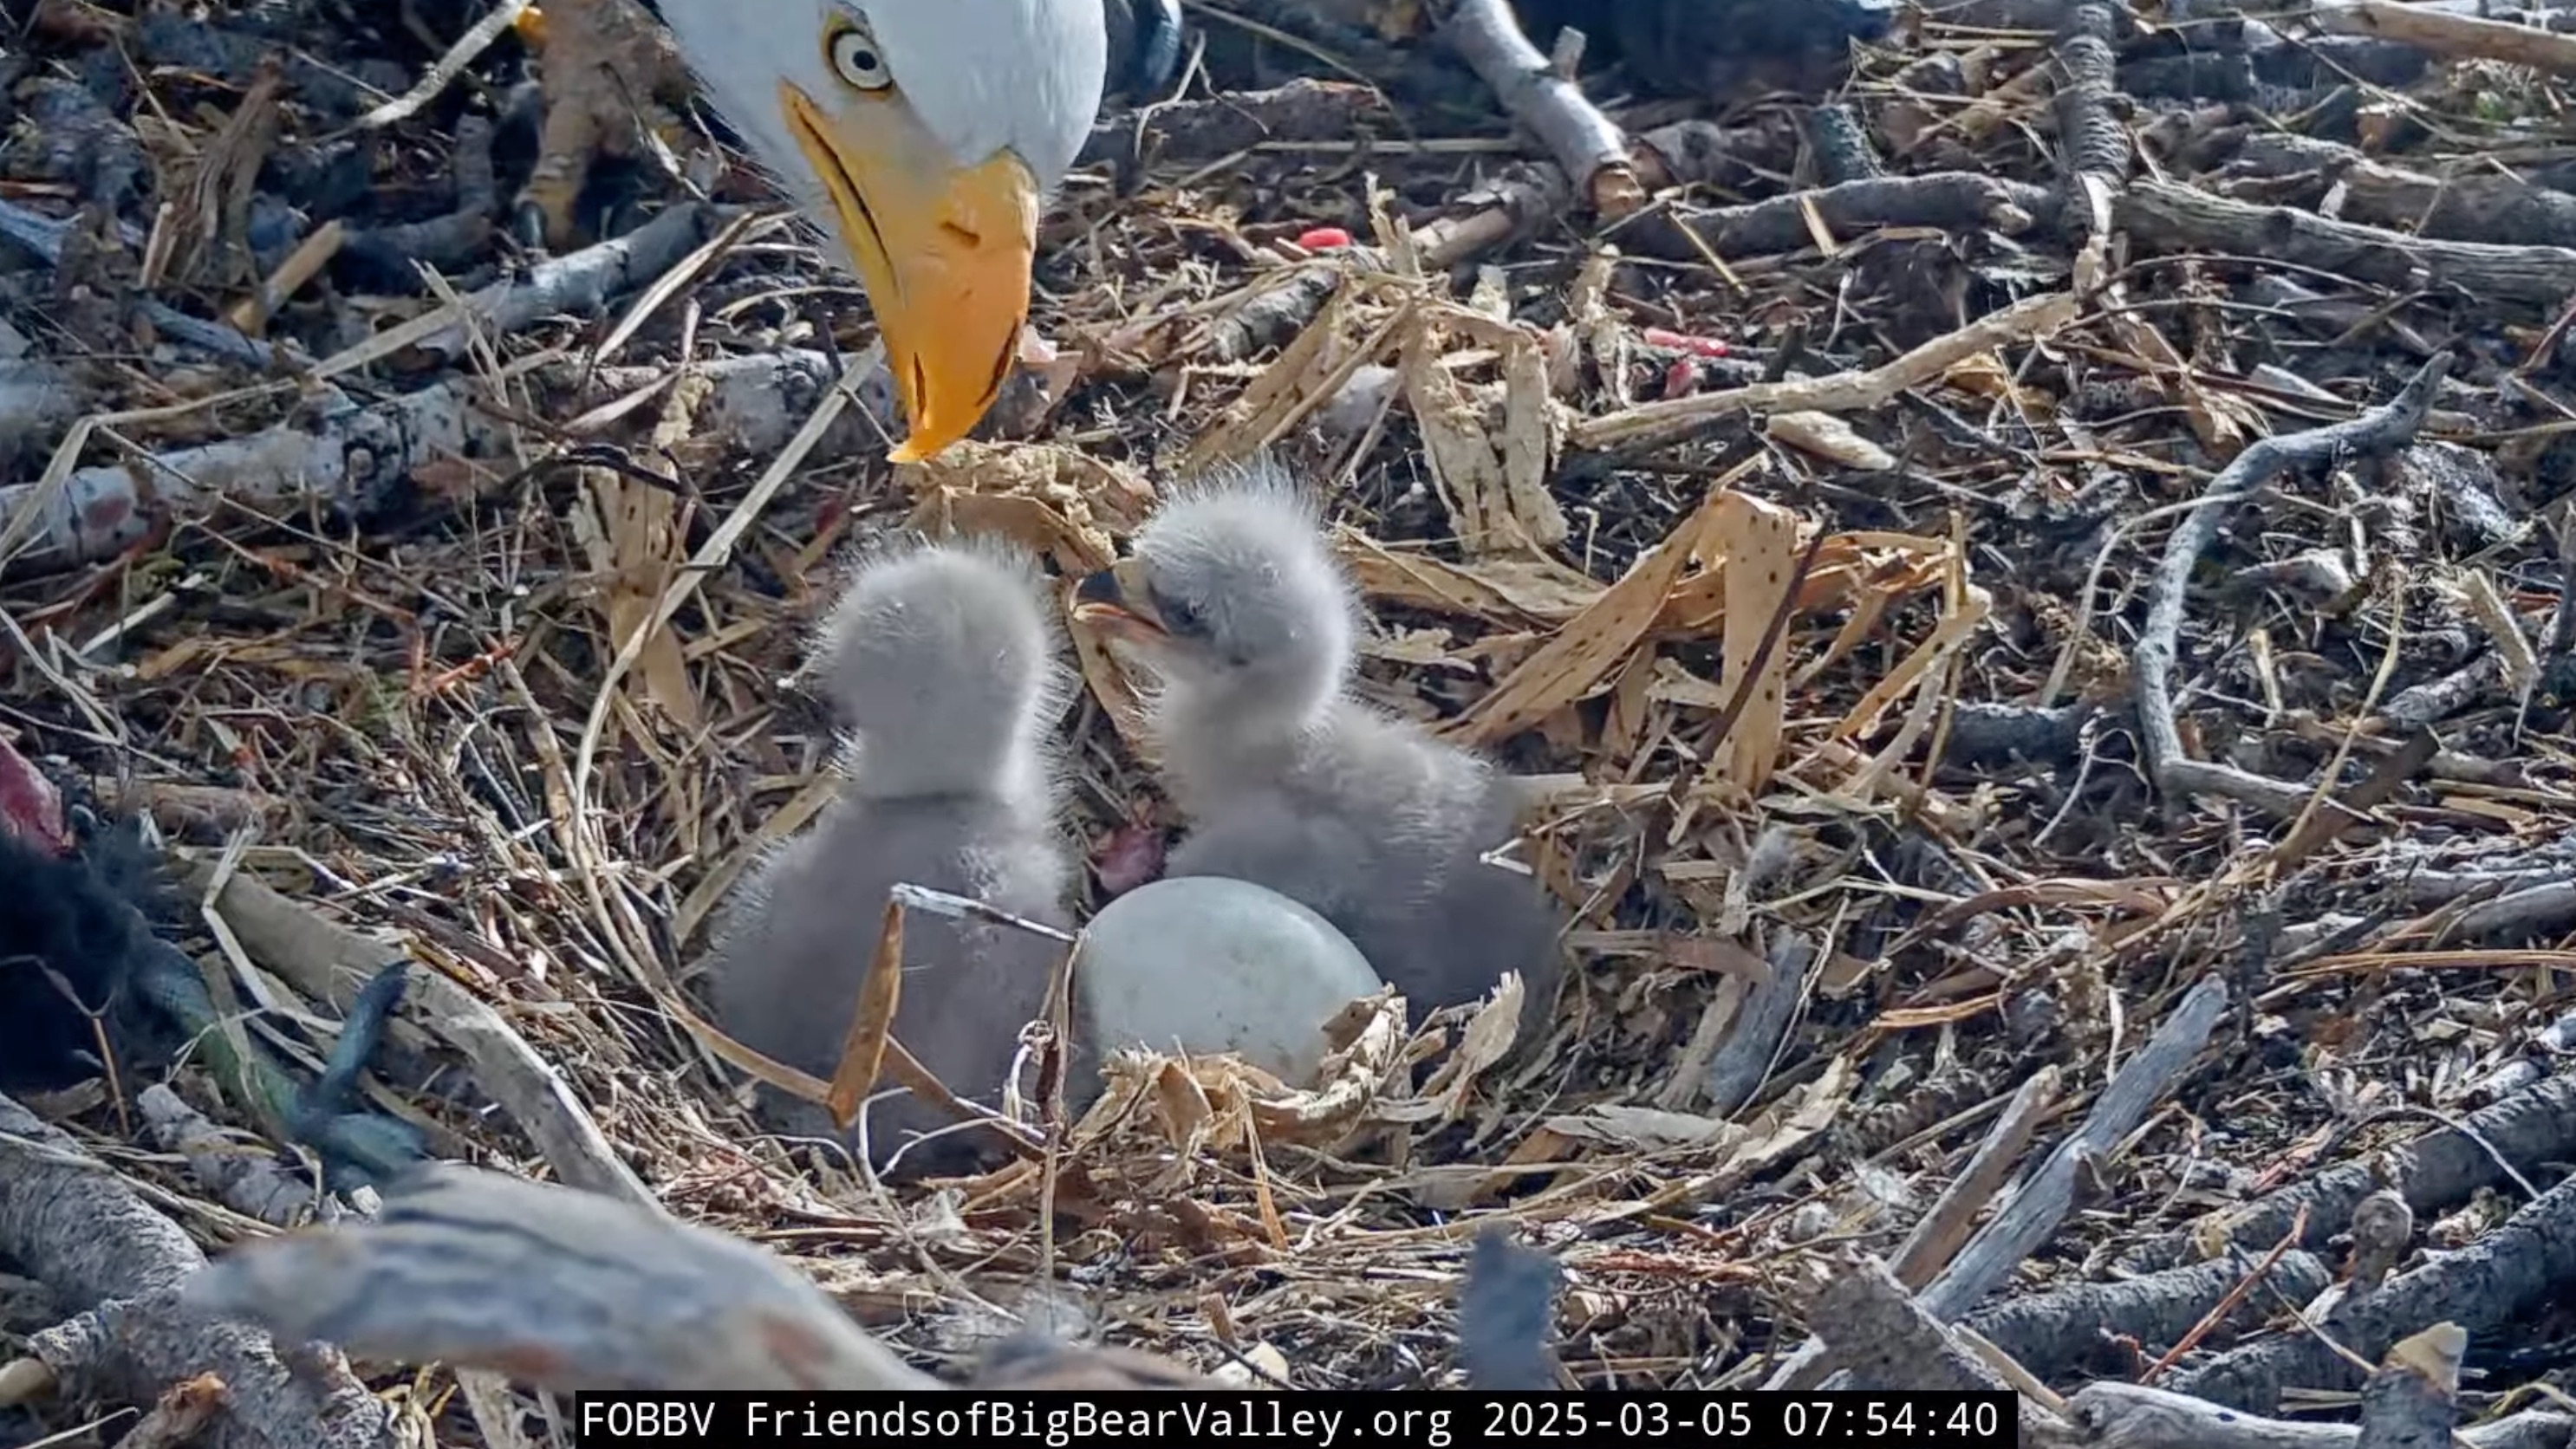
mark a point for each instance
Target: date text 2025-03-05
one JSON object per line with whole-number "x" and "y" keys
{"x": 1326, "y": 1420}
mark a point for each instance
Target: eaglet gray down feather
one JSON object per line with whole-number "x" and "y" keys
{"x": 943, "y": 671}
{"x": 1232, "y": 598}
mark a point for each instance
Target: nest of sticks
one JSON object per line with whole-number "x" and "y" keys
{"x": 2034, "y": 564}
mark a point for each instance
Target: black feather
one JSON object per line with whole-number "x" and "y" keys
{"x": 74, "y": 931}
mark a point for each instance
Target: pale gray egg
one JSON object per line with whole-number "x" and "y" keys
{"x": 1210, "y": 964}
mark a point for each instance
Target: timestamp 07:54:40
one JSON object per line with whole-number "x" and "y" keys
{"x": 1927, "y": 1420}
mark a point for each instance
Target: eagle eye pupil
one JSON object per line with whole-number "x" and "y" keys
{"x": 854, "y": 54}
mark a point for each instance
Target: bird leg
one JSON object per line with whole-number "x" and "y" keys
{"x": 612, "y": 81}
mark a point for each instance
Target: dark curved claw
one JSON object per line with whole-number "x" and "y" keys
{"x": 329, "y": 1117}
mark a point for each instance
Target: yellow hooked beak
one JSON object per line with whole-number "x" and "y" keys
{"x": 944, "y": 253}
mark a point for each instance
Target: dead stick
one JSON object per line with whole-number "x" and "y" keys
{"x": 1592, "y": 150}
{"x": 1936, "y": 1238}
{"x": 2413, "y": 1400}
{"x": 2034, "y": 1213}
{"x": 1669, "y": 419}
{"x": 2143, "y": 1418}
{"x": 2452, "y": 35}
{"x": 2377, "y": 432}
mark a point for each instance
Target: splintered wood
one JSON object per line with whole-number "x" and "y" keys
{"x": 637, "y": 537}
{"x": 1858, "y": 390}
{"x": 1307, "y": 374}
{"x": 1190, "y": 1111}
{"x": 1590, "y": 645}
{"x": 1480, "y": 387}
{"x": 1726, "y": 571}
{"x": 1760, "y": 543}
{"x": 1493, "y": 479}
{"x": 1055, "y": 501}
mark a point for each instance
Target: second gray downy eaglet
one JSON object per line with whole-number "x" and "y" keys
{"x": 1287, "y": 779}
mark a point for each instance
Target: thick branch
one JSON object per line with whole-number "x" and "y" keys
{"x": 1583, "y": 141}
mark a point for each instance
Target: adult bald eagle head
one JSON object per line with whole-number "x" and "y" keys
{"x": 927, "y": 134}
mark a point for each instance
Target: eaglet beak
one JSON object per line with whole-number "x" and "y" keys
{"x": 943, "y": 251}
{"x": 1116, "y": 601}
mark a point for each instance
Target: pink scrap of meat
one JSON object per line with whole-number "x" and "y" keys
{"x": 1132, "y": 856}
{"x": 1696, "y": 346}
{"x": 30, "y": 807}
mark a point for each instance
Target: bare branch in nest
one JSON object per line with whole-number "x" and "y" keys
{"x": 1957, "y": 200}
{"x": 1883, "y": 1337}
{"x": 2376, "y": 433}
{"x": 2173, "y": 216}
{"x": 1937, "y": 1238}
{"x": 1653, "y": 424}
{"x": 2033, "y": 1213}
{"x": 2474, "y": 1154}
{"x": 2414, "y": 1398}
{"x": 576, "y": 284}
{"x": 2086, "y": 1328}
{"x": 355, "y": 458}
{"x": 2134, "y": 1416}
{"x": 1592, "y": 150}
{"x": 1770, "y": 1006}
{"x": 2094, "y": 156}
{"x": 2518, "y": 1266}
{"x": 2456, "y": 36}
{"x": 44, "y": 236}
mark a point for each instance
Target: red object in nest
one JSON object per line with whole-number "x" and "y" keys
{"x": 30, "y": 807}
{"x": 1323, "y": 239}
{"x": 1684, "y": 342}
